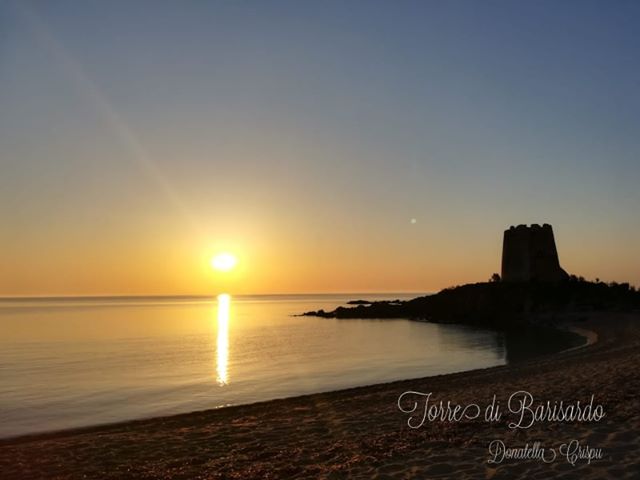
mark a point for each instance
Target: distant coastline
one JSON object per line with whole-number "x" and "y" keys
{"x": 500, "y": 304}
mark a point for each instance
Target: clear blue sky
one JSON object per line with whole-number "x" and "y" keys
{"x": 307, "y": 135}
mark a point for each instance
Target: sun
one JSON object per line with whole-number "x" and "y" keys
{"x": 224, "y": 262}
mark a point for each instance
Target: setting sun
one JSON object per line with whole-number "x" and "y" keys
{"x": 224, "y": 262}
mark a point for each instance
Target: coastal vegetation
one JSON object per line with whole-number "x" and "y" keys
{"x": 500, "y": 304}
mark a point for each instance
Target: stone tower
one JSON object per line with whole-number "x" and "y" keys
{"x": 529, "y": 253}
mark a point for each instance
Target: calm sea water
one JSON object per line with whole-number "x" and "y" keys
{"x": 68, "y": 363}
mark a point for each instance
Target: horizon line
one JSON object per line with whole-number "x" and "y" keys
{"x": 191, "y": 296}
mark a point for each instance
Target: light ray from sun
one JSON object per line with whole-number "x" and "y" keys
{"x": 120, "y": 129}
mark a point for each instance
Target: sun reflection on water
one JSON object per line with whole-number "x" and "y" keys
{"x": 222, "y": 348}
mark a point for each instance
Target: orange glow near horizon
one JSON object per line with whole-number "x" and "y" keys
{"x": 283, "y": 263}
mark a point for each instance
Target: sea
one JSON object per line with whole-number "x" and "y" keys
{"x": 74, "y": 362}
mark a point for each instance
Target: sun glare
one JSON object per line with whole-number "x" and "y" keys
{"x": 224, "y": 262}
{"x": 222, "y": 350}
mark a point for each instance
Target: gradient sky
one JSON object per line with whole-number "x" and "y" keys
{"x": 139, "y": 138}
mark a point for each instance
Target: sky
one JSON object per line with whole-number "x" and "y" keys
{"x": 361, "y": 146}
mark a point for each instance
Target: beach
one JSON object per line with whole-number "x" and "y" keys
{"x": 362, "y": 432}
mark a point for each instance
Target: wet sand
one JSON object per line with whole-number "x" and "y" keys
{"x": 361, "y": 432}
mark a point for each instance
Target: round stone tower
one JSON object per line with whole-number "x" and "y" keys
{"x": 529, "y": 254}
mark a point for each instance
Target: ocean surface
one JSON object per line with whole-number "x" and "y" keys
{"x": 77, "y": 362}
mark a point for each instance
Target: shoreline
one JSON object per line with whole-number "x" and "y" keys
{"x": 360, "y": 431}
{"x": 590, "y": 337}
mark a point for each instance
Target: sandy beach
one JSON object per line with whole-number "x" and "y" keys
{"x": 361, "y": 432}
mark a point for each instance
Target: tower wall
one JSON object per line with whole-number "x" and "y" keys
{"x": 529, "y": 253}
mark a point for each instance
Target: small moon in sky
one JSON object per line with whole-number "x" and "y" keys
{"x": 413, "y": 220}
